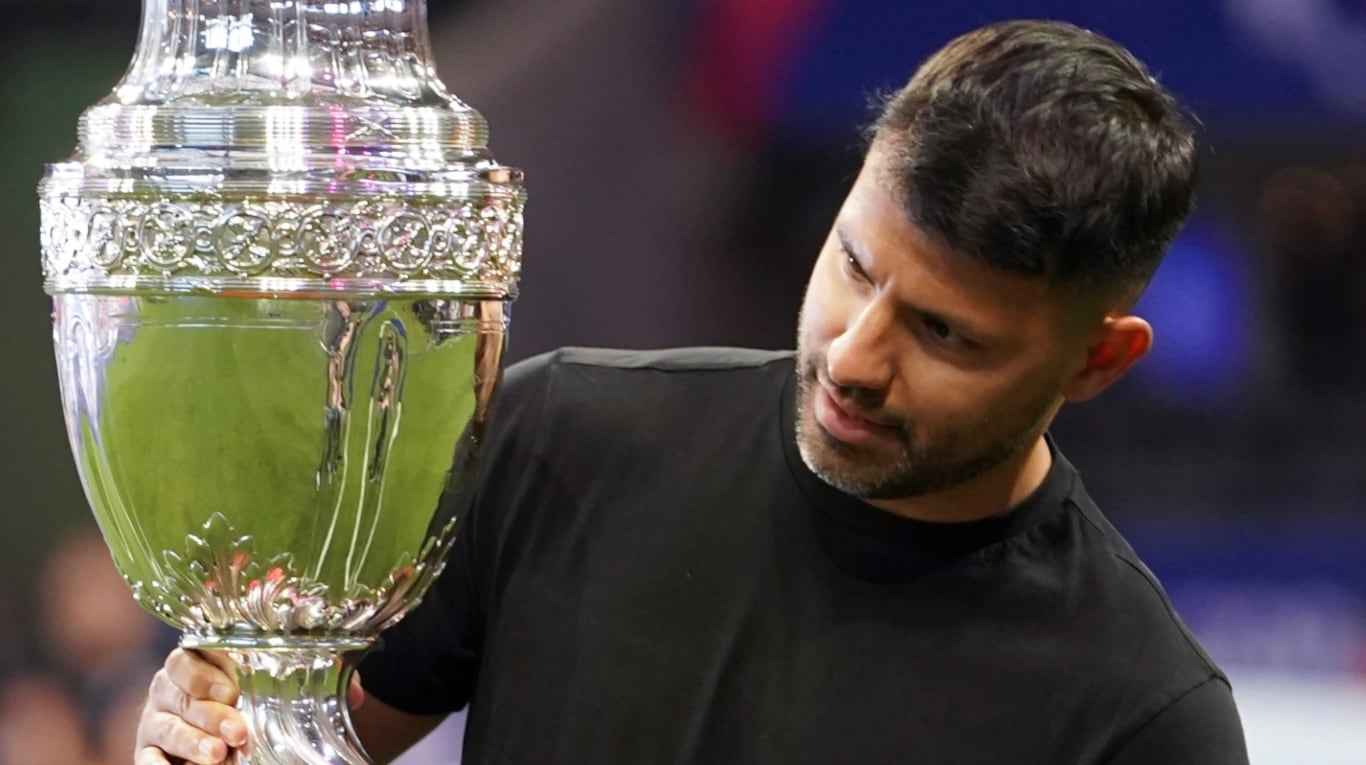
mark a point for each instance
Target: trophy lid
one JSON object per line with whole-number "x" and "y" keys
{"x": 283, "y": 147}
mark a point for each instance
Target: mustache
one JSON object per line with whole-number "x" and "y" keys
{"x": 867, "y": 402}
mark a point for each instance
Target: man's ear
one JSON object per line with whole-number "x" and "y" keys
{"x": 1120, "y": 341}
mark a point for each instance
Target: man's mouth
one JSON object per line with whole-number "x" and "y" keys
{"x": 847, "y": 422}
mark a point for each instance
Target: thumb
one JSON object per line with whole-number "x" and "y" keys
{"x": 355, "y": 694}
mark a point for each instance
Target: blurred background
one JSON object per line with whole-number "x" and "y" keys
{"x": 684, "y": 159}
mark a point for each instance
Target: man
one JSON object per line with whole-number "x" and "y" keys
{"x": 869, "y": 552}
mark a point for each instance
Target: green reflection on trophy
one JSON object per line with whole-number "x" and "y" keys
{"x": 281, "y": 265}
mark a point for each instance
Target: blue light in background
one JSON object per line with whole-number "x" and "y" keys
{"x": 1200, "y": 306}
{"x": 1229, "y": 60}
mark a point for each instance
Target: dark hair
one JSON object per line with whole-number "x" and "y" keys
{"x": 1044, "y": 149}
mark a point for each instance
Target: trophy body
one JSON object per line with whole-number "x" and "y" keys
{"x": 281, "y": 264}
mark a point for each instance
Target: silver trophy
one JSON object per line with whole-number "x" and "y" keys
{"x": 281, "y": 262}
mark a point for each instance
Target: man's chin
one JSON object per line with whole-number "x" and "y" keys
{"x": 843, "y": 466}
{"x": 858, "y": 484}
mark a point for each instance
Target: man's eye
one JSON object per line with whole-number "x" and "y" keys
{"x": 851, "y": 263}
{"x": 939, "y": 330}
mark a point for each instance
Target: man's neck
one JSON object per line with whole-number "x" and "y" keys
{"x": 991, "y": 493}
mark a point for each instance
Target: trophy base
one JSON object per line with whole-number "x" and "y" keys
{"x": 293, "y": 697}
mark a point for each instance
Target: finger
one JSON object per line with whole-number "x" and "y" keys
{"x": 209, "y": 717}
{"x": 218, "y": 658}
{"x": 196, "y": 675}
{"x": 177, "y": 738}
{"x": 150, "y": 755}
{"x": 355, "y": 694}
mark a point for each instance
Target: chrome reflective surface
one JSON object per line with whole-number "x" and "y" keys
{"x": 277, "y": 476}
{"x": 281, "y": 261}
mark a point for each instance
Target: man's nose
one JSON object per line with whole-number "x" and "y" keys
{"x": 861, "y": 357}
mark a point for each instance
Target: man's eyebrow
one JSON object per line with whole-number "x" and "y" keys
{"x": 846, "y": 242}
{"x": 959, "y": 324}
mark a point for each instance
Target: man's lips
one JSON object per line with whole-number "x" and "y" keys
{"x": 847, "y": 423}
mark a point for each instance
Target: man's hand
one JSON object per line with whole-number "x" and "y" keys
{"x": 190, "y": 714}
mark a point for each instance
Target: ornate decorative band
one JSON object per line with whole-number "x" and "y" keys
{"x": 108, "y": 240}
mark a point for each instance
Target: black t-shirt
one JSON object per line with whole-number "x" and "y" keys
{"x": 650, "y": 574}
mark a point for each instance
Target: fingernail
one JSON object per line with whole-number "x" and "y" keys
{"x": 234, "y": 732}
{"x": 221, "y": 693}
{"x": 206, "y": 746}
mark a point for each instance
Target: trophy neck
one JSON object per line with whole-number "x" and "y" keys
{"x": 283, "y": 145}
{"x": 283, "y": 86}
{"x": 270, "y": 52}
{"x": 294, "y": 704}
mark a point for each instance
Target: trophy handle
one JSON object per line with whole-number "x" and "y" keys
{"x": 294, "y": 700}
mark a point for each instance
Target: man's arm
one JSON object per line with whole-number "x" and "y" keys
{"x": 386, "y": 732}
{"x": 1198, "y": 728}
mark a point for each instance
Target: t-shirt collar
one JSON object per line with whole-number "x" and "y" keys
{"x": 882, "y": 545}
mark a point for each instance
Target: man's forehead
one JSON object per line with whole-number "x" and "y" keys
{"x": 879, "y": 191}
{"x": 884, "y": 165}
{"x": 878, "y": 225}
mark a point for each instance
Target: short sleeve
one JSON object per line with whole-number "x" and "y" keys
{"x": 428, "y": 662}
{"x": 1199, "y": 728}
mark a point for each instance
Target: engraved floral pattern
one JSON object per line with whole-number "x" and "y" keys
{"x": 220, "y": 585}
{"x": 469, "y": 241}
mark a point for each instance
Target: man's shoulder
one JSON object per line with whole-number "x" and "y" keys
{"x": 588, "y": 377}
{"x": 583, "y": 390}
{"x": 1129, "y": 631}
{"x": 1110, "y": 621}
{"x": 1142, "y": 655}
{"x": 609, "y": 361}
{"x": 1131, "y": 586}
